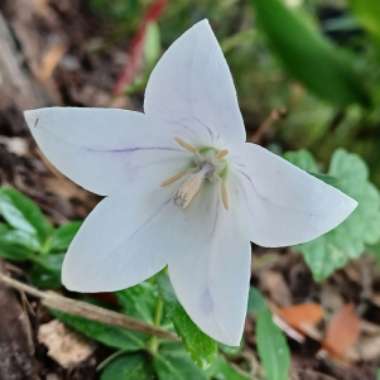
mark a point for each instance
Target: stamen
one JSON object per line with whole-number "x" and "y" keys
{"x": 185, "y": 145}
{"x": 224, "y": 194}
{"x": 174, "y": 178}
{"x": 190, "y": 188}
{"x": 221, "y": 154}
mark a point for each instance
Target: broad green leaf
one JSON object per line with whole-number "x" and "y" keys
{"x": 44, "y": 279}
{"x": 272, "y": 347}
{"x": 62, "y": 236}
{"x": 46, "y": 273}
{"x": 336, "y": 248}
{"x": 173, "y": 363}
{"x": 17, "y": 245}
{"x": 128, "y": 367}
{"x": 3, "y": 228}
{"x": 51, "y": 263}
{"x": 222, "y": 370}
{"x": 324, "y": 69}
{"x": 368, "y": 13}
{"x": 23, "y": 214}
{"x": 20, "y": 239}
{"x": 201, "y": 347}
{"x": 111, "y": 336}
{"x": 303, "y": 159}
{"x": 139, "y": 301}
{"x": 256, "y": 301}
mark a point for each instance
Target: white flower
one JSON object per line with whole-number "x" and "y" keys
{"x": 182, "y": 188}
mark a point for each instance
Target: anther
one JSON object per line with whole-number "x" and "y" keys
{"x": 185, "y": 145}
{"x": 174, "y": 178}
{"x": 221, "y": 154}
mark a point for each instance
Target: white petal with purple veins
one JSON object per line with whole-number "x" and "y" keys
{"x": 287, "y": 205}
{"x": 192, "y": 84}
{"x": 105, "y": 150}
{"x": 212, "y": 280}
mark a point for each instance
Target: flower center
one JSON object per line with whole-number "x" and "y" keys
{"x": 207, "y": 164}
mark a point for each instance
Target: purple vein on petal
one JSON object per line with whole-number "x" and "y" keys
{"x": 133, "y": 149}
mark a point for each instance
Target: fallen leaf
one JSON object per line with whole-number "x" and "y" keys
{"x": 302, "y": 317}
{"x": 273, "y": 283}
{"x": 342, "y": 332}
{"x": 66, "y": 347}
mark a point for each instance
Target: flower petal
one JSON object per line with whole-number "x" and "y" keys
{"x": 287, "y": 206}
{"x": 212, "y": 279}
{"x": 108, "y": 253}
{"x": 104, "y": 150}
{"x": 128, "y": 237}
{"x": 192, "y": 84}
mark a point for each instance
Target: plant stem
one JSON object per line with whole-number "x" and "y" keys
{"x": 154, "y": 342}
{"x": 92, "y": 312}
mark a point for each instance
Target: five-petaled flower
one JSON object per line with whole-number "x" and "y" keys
{"x": 183, "y": 189}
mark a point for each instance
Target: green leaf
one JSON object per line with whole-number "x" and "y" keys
{"x": 222, "y": 370}
{"x": 17, "y": 245}
{"x": 256, "y": 301}
{"x": 368, "y": 13}
{"x": 20, "y": 239}
{"x": 3, "y": 228}
{"x": 51, "y": 263}
{"x": 63, "y": 235}
{"x": 111, "y": 336}
{"x": 325, "y": 69}
{"x": 202, "y": 348}
{"x": 173, "y": 363}
{"x": 303, "y": 159}
{"x": 23, "y": 214}
{"x": 336, "y": 248}
{"x": 128, "y": 367}
{"x": 272, "y": 347}
{"x": 139, "y": 301}
{"x": 44, "y": 279}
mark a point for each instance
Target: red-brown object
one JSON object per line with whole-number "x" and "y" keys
{"x": 135, "y": 52}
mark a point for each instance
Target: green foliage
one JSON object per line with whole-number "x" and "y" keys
{"x": 28, "y": 236}
{"x": 325, "y": 69}
{"x": 173, "y": 363}
{"x": 110, "y": 336}
{"x": 63, "y": 235}
{"x": 368, "y": 13}
{"x": 23, "y": 214}
{"x": 348, "y": 241}
{"x": 202, "y": 348}
{"x": 128, "y": 367}
{"x": 272, "y": 347}
{"x": 120, "y": 11}
{"x": 139, "y": 301}
{"x": 222, "y": 370}
{"x": 271, "y": 342}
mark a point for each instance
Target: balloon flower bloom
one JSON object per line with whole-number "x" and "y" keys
{"x": 182, "y": 188}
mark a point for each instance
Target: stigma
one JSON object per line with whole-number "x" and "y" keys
{"x": 207, "y": 164}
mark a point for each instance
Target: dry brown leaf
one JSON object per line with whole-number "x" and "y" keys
{"x": 342, "y": 332}
{"x": 64, "y": 346}
{"x": 273, "y": 283}
{"x": 302, "y": 317}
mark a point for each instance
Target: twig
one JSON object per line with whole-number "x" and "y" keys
{"x": 83, "y": 309}
{"x": 274, "y": 116}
